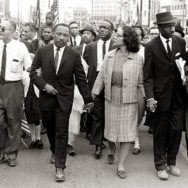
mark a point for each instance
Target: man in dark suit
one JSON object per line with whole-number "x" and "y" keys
{"x": 60, "y": 65}
{"x": 165, "y": 94}
{"x": 94, "y": 54}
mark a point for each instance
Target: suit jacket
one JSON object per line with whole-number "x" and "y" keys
{"x": 161, "y": 76}
{"x": 132, "y": 77}
{"x": 62, "y": 81}
{"x": 90, "y": 56}
{"x": 79, "y": 49}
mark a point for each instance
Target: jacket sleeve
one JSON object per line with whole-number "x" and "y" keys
{"x": 148, "y": 72}
{"x": 37, "y": 63}
{"x": 140, "y": 78}
{"x": 99, "y": 82}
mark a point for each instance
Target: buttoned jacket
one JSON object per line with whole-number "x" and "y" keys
{"x": 132, "y": 77}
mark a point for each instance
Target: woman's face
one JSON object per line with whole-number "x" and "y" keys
{"x": 118, "y": 38}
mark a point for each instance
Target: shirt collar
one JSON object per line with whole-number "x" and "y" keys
{"x": 60, "y": 49}
{"x": 164, "y": 39}
{"x": 102, "y": 41}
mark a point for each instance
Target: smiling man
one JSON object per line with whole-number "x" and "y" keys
{"x": 165, "y": 94}
{"x": 60, "y": 65}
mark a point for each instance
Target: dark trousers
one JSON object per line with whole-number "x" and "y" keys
{"x": 97, "y": 123}
{"x": 167, "y": 127}
{"x": 11, "y": 103}
{"x": 56, "y": 124}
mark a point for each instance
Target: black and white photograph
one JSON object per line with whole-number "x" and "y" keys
{"x": 93, "y": 93}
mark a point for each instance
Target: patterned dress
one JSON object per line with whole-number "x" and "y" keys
{"x": 120, "y": 118}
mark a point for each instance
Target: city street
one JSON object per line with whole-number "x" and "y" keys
{"x": 35, "y": 171}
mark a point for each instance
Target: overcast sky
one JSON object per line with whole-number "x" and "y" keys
{"x": 24, "y": 5}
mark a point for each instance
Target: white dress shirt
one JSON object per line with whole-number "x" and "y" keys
{"x": 164, "y": 42}
{"x": 78, "y": 40}
{"x": 83, "y": 50}
{"x": 61, "y": 50}
{"x": 17, "y": 58}
{"x": 100, "y": 52}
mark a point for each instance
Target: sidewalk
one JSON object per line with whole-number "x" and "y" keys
{"x": 83, "y": 171}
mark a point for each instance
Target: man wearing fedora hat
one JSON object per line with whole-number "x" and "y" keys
{"x": 88, "y": 35}
{"x": 165, "y": 94}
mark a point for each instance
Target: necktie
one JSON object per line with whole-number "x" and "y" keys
{"x": 168, "y": 48}
{"x": 56, "y": 58}
{"x": 104, "y": 49}
{"x": 3, "y": 65}
{"x": 74, "y": 41}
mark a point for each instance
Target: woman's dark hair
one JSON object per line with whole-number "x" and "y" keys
{"x": 141, "y": 29}
{"x": 130, "y": 39}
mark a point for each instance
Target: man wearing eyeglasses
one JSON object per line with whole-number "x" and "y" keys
{"x": 60, "y": 65}
{"x": 14, "y": 57}
{"x": 75, "y": 37}
{"x": 94, "y": 55}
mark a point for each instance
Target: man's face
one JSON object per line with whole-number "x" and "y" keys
{"x": 61, "y": 36}
{"x": 16, "y": 35}
{"x": 6, "y": 31}
{"x": 105, "y": 30}
{"x": 87, "y": 37}
{"x": 26, "y": 33}
{"x": 49, "y": 19}
{"x": 167, "y": 30}
{"x": 47, "y": 34}
{"x": 74, "y": 29}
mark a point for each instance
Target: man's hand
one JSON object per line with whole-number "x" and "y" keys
{"x": 50, "y": 89}
{"x": 88, "y": 107}
{"x": 151, "y": 104}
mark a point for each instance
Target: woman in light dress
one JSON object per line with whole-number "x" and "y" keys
{"x": 121, "y": 77}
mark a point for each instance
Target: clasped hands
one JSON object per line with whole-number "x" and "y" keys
{"x": 151, "y": 104}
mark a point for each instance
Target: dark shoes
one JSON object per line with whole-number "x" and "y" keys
{"x": 136, "y": 150}
{"x": 12, "y": 162}
{"x": 60, "y": 175}
{"x": 111, "y": 158}
{"x": 98, "y": 152}
{"x": 39, "y": 144}
{"x": 32, "y": 145}
{"x": 36, "y": 144}
{"x": 122, "y": 173}
{"x": 71, "y": 150}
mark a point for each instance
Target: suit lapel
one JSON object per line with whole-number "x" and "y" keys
{"x": 174, "y": 47}
{"x": 161, "y": 47}
{"x": 95, "y": 53}
{"x": 63, "y": 59}
{"x": 51, "y": 55}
